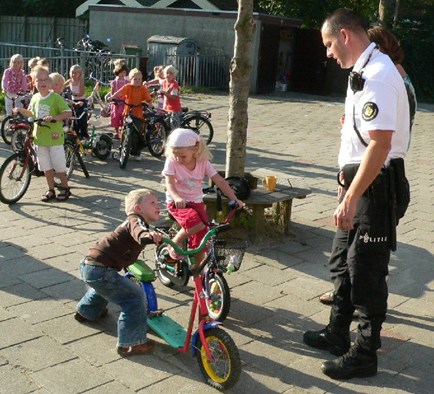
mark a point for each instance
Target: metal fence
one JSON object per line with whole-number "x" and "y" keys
{"x": 61, "y": 59}
{"x": 210, "y": 71}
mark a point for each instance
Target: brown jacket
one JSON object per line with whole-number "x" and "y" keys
{"x": 122, "y": 247}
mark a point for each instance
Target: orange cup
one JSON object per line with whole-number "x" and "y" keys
{"x": 269, "y": 182}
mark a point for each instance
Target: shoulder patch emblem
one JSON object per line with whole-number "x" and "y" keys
{"x": 370, "y": 111}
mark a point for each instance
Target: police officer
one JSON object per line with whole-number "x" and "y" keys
{"x": 375, "y": 130}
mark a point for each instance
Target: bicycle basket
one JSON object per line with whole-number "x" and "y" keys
{"x": 227, "y": 249}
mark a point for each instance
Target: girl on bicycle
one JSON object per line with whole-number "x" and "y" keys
{"x": 76, "y": 84}
{"x": 187, "y": 164}
{"x": 14, "y": 81}
{"x": 49, "y": 137}
{"x": 116, "y": 110}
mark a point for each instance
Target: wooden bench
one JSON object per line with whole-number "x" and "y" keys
{"x": 260, "y": 199}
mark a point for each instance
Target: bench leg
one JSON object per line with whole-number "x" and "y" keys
{"x": 282, "y": 211}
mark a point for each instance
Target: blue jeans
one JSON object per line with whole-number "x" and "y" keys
{"x": 107, "y": 285}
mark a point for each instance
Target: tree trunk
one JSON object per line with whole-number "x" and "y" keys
{"x": 387, "y": 10}
{"x": 240, "y": 71}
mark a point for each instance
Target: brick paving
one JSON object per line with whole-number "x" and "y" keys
{"x": 274, "y": 295}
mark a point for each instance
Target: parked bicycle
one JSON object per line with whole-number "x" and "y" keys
{"x": 215, "y": 351}
{"x": 223, "y": 256}
{"x": 198, "y": 121}
{"x": 138, "y": 133}
{"x": 16, "y": 170}
{"x": 10, "y": 123}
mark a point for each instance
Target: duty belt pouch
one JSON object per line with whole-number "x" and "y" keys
{"x": 349, "y": 171}
{"x": 400, "y": 186}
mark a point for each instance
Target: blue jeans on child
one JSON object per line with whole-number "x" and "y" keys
{"x": 107, "y": 285}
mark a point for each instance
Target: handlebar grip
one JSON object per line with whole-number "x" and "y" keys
{"x": 146, "y": 241}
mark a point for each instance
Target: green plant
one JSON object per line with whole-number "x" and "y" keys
{"x": 2, "y": 103}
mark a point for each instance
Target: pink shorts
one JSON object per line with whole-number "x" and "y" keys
{"x": 188, "y": 218}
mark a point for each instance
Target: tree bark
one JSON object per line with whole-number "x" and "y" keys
{"x": 387, "y": 10}
{"x": 239, "y": 85}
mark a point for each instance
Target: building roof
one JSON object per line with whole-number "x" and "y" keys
{"x": 211, "y": 5}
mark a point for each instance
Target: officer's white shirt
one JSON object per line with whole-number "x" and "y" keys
{"x": 381, "y": 105}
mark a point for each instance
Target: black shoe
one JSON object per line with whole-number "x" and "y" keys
{"x": 324, "y": 339}
{"x": 82, "y": 319}
{"x": 351, "y": 365}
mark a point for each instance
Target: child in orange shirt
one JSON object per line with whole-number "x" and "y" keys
{"x": 134, "y": 93}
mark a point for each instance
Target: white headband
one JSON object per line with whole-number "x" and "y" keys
{"x": 182, "y": 138}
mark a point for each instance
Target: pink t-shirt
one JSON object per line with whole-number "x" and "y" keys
{"x": 188, "y": 183}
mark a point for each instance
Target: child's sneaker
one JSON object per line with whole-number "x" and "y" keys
{"x": 137, "y": 158}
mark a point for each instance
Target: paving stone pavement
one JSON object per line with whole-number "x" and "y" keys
{"x": 274, "y": 295}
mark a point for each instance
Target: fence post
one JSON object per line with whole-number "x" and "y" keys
{"x": 62, "y": 61}
{"x": 196, "y": 71}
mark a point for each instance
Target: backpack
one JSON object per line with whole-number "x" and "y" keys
{"x": 240, "y": 186}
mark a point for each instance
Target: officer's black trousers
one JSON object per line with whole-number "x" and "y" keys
{"x": 359, "y": 266}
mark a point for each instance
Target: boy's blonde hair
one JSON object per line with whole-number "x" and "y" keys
{"x": 134, "y": 72}
{"x": 202, "y": 153}
{"x": 38, "y": 69}
{"x": 33, "y": 62}
{"x": 171, "y": 69}
{"x": 56, "y": 77}
{"x": 135, "y": 197}
{"x": 76, "y": 67}
{"x": 16, "y": 58}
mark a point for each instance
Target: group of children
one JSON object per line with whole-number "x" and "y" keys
{"x": 187, "y": 165}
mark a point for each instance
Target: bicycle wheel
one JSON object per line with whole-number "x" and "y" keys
{"x": 201, "y": 125}
{"x": 224, "y": 370}
{"x": 219, "y": 301}
{"x": 7, "y": 130}
{"x": 71, "y": 158}
{"x": 103, "y": 147}
{"x": 156, "y": 136}
{"x": 14, "y": 179}
{"x": 172, "y": 274}
{"x": 125, "y": 148}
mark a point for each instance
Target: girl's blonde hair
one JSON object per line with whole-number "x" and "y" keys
{"x": 170, "y": 69}
{"x": 135, "y": 197}
{"x": 158, "y": 70}
{"x": 202, "y": 153}
{"x": 16, "y": 58}
{"x": 76, "y": 67}
{"x": 33, "y": 62}
{"x": 56, "y": 77}
{"x": 43, "y": 62}
{"x": 134, "y": 72}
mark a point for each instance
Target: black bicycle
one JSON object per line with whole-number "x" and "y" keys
{"x": 139, "y": 133}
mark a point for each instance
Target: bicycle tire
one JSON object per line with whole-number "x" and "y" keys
{"x": 70, "y": 157}
{"x": 103, "y": 147}
{"x": 6, "y": 130}
{"x": 125, "y": 148}
{"x": 156, "y": 136}
{"x": 219, "y": 301}
{"x": 201, "y": 125}
{"x": 166, "y": 277}
{"x": 81, "y": 162}
{"x": 224, "y": 371}
{"x": 14, "y": 179}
